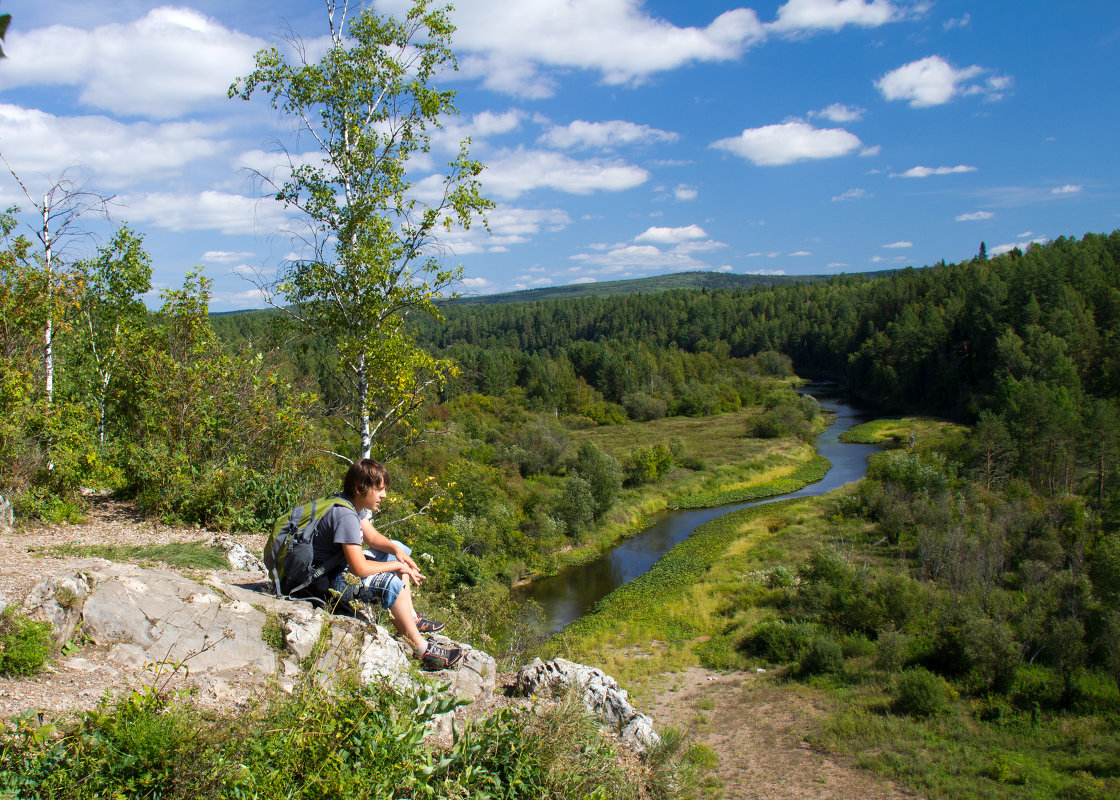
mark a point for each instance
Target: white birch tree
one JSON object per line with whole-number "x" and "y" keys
{"x": 369, "y": 246}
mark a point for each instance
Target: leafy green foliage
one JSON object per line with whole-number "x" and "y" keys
{"x": 24, "y": 644}
{"x": 361, "y": 741}
{"x": 213, "y": 437}
{"x": 822, "y": 656}
{"x": 921, "y": 693}
{"x": 778, "y": 641}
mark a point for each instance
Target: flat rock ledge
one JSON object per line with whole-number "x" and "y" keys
{"x": 227, "y": 641}
{"x": 210, "y": 629}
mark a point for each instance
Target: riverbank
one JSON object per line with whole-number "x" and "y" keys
{"x": 720, "y": 463}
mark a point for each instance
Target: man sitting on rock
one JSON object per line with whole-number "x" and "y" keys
{"x": 384, "y": 572}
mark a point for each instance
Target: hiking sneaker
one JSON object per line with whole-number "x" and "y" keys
{"x": 427, "y": 625}
{"x": 438, "y": 657}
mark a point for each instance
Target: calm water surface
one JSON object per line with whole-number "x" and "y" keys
{"x": 571, "y": 594}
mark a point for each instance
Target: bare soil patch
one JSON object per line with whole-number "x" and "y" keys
{"x": 757, "y": 730}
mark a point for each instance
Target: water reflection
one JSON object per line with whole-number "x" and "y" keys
{"x": 568, "y": 596}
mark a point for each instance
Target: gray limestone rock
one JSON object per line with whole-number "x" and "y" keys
{"x": 600, "y": 692}
{"x": 240, "y": 557}
{"x": 176, "y": 620}
{"x": 59, "y": 602}
{"x": 160, "y": 618}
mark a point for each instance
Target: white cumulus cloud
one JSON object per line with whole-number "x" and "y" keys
{"x": 505, "y": 41}
{"x": 807, "y": 15}
{"x": 925, "y": 172}
{"x": 897, "y": 245}
{"x": 975, "y": 216}
{"x": 1069, "y": 188}
{"x": 225, "y": 256}
{"x": 168, "y": 62}
{"x": 207, "y": 210}
{"x": 932, "y": 81}
{"x": 115, "y": 153}
{"x": 510, "y": 174}
{"x": 788, "y": 142}
{"x": 603, "y": 135}
{"x": 838, "y": 112}
{"x": 688, "y": 233}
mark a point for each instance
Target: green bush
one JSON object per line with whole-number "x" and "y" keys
{"x": 779, "y": 641}
{"x": 891, "y": 650}
{"x": 24, "y": 644}
{"x": 823, "y": 655}
{"x": 779, "y": 578}
{"x": 1036, "y": 686}
{"x": 649, "y": 464}
{"x": 921, "y": 693}
{"x": 856, "y": 645}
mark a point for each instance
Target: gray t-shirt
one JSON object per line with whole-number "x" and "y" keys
{"x": 340, "y": 525}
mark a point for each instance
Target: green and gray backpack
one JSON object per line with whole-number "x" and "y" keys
{"x": 289, "y": 552}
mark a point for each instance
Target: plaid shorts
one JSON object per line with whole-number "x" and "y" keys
{"x": 382, "y": 587}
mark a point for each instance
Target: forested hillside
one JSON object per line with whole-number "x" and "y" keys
{"x": 919, "y": 338}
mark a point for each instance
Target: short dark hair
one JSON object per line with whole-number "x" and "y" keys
{"x": 364, "y": 475}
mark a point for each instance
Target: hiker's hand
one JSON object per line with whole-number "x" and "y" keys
{"x": 410, "y": 571}
{"x": 407, "y": 559}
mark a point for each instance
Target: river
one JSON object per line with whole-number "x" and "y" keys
{"x": 569, "y": 595}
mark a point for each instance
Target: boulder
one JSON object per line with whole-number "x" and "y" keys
{"x": 239, "y": 556}
{"x": 600, "y": 693}
{"x": 59, "y": 602}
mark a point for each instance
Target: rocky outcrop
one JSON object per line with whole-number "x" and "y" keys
{"x": 600, "y": 692}
{"x": 210, "y": 627}
{"x": 215, "y": 633}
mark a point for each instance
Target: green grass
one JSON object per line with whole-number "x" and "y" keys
{"x": 188, "y": 555}
{"x": 959, "y": 755}
{"x": 666, "y": 605}
{"x": 899, "y": 430}
{"x": 24, "y": 644}
{"x": 805, "y": 474}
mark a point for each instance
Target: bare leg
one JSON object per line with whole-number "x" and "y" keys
{"x": 404, "y": 618}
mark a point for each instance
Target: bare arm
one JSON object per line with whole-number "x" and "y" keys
{"x": 378, "y": 541}
{"x": 363, "y": 567}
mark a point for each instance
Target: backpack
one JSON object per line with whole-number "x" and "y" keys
{"x": 289, "y": 552}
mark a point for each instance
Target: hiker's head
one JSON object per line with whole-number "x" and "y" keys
{"x": 364, "y": 475}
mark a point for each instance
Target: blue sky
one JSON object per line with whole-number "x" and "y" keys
{"x": 622, "y": 138}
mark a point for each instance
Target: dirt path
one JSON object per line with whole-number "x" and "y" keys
{"x": 756, "y": 729}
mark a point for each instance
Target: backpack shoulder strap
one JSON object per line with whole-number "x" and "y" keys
{"x": 319, "y": 509}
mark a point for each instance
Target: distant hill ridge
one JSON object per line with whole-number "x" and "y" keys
{"x": 652, "y": 285}
{"x": 657, "y": 283}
